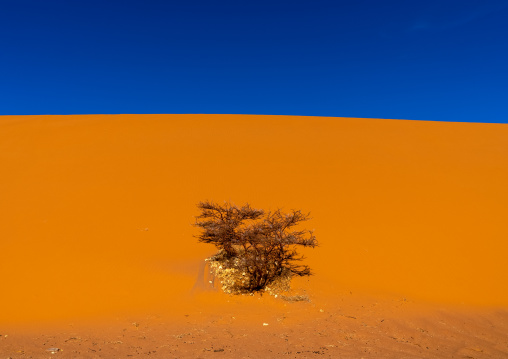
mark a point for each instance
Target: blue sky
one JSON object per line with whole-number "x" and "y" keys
{"x": 422, "y": 60}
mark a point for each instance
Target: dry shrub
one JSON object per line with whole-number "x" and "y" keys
{"x": 257, "y": 250}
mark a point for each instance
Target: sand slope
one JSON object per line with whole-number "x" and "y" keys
{"x": 97, "y": 210}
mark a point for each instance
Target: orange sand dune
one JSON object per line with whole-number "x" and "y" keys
{"x": 96, "y": 211}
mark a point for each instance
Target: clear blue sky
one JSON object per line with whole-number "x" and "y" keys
{"x": 423, "y": 60}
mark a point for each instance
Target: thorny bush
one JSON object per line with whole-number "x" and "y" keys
{"x": 256, "y": 248}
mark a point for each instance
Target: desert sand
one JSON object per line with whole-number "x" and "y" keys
{"x": 98, "y": 258}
